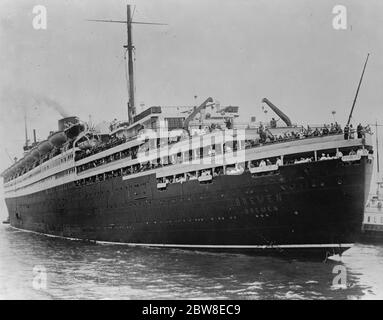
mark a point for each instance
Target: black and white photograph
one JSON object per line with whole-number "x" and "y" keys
{"x": 210, "y": 150}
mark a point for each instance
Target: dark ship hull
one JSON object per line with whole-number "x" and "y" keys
{"x": 309, "y": 208}
{"x": 372, "y": 234}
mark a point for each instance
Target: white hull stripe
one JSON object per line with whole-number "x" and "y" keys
{"x": 200, "y": 246}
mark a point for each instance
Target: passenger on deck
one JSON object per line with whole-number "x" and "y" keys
{"x": 346, "y": 132}
{"x": 192, "y": 176}
{"x": 351, "y": 134}
{"x": 323, "y": 157}
{"x": 338, "y": 128}
{"x": 360, "y": 152}
{"x": 279, "y": 162}
{"x": 359, "y": 131}
{"x": 273, "y": 123}
{"x": 262, "y": 163}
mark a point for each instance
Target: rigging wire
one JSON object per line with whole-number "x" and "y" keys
{"x": 126, "y": 71}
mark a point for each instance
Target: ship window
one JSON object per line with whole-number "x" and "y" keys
{"x": 368, "y": 219}
{"x": 174, "y": 123}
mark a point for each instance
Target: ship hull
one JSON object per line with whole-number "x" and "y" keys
{"x": 304, "y": 209}
{"x": 372, "y": 234}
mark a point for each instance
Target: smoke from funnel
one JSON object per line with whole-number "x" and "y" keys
{"x": 50, "y": 103}
{"x": 17, "y": 100}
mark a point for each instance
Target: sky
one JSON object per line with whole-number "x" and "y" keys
{"x": 237, "y": 52}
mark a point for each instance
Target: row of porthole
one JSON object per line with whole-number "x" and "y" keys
{"x": 118, "y": 227}
{"x": 313, "y": 185}
{"x": 192, "y": 220}
{"x": 322, "y": 184}
{"x": 263, "y": 210}
{"x": 374, "y": 227}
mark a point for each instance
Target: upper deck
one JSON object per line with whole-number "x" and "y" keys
{"x": 216, "y": 149}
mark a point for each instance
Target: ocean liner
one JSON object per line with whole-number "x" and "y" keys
{"x": 194, "y": 178}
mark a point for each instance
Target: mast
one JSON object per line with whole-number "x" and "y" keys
{"x": 130, "y": 48}
{"x": 379, "y": 183}
{"x": 357, "y": 91}
{"x": 377, "y": 147}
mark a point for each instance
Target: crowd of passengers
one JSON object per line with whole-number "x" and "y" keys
{"x": 125, "y": 154}
{"x": 214, "y": 172}
{"x": 113, "y": 142}
{"x": 324, "y": 156}
{"x": 332, "y": 129}
{"x": 132, "y": 154}
{"x": 303, "y": 133}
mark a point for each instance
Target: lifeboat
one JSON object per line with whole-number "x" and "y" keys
{"x": 16, "y": 167}
{"x": 44, "y": 147}
{"x": 35, "y": 153}
{"x": 21, "y": 164}
{"x": 29, "y": 158}
{"x": 11, "y": 171}
{"x": 74, "y": 130}
{"x": 57, "y": 138}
